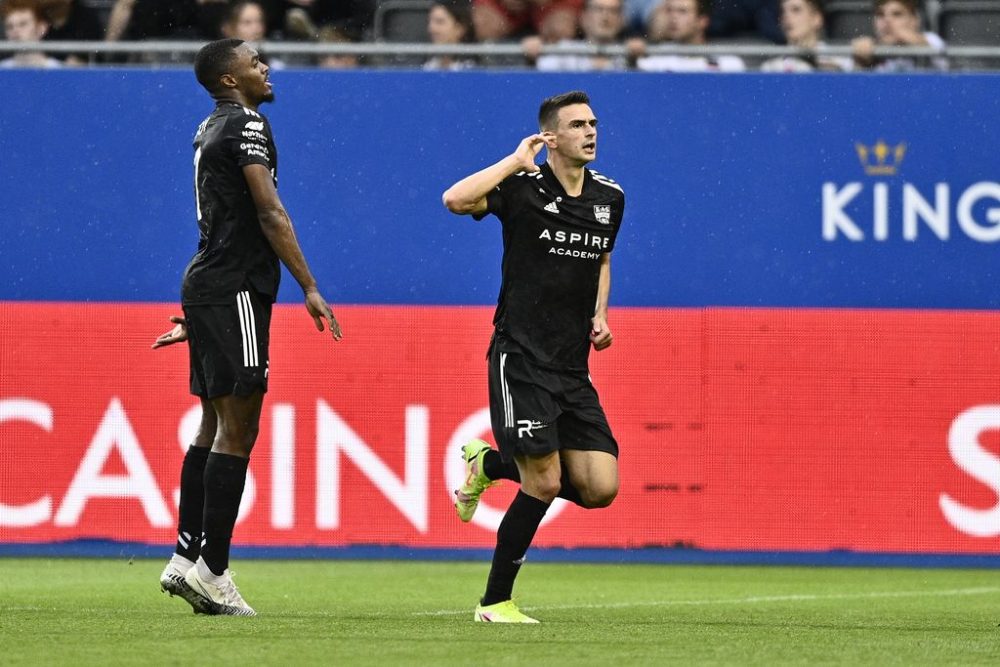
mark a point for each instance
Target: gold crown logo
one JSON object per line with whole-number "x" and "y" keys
{"x": 880, "y": 159}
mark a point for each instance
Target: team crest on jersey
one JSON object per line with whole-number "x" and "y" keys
{"x": 602, "y": 213}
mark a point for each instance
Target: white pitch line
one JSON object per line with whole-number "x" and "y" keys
{"x": 748, "y": 600}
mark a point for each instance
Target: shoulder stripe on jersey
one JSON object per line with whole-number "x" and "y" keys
{"x": 604, "y": 180}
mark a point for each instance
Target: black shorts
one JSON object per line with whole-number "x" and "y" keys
{"x": 536, "y": 411}
{"x": 228, "y": 346}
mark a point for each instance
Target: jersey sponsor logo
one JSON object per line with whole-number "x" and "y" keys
{"x": 598, "y": 241}
{"x": 526, "y": 427}
{"x": 578, "y": 254}
{"x": 552, "y": 208}
{"x": 593, "y": 244}
{"x": 602, "y": 213}
{"x": 255, "y": 149}
{"x": 257, "y": 125}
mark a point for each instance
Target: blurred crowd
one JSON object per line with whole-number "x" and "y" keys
{"x": 532, "y": 24}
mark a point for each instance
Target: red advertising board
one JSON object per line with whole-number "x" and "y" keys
{"x": 740, "y": 429}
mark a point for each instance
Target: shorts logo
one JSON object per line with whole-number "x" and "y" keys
{"x": 525, "y": 427}
{"x": 602, "y": 213}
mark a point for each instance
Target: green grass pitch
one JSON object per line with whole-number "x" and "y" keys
{"x": 108, "y": 612}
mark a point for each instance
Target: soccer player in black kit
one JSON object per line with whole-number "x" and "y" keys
{"x": 559, "y": 223}
{"x": 227, "y": 293}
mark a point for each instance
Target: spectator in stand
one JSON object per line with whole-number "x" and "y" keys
{"x": 155, "y": 19}
{"x": 247, "y": 21}
{"x": 23, "y": 21}
{"x": 552, "y": 20}
{"x": 70, "y": 20}
{"x": 638, "y": 14}
{"x": 897, "y": 23}
{"x": 803, "y": 22}
{"x": 450, "y": 22}
{"x": 333, "y": 35}
{"x": 682, "y": 22}
{"x": 746, "y": 18}
{"x": 304, "y": 19}
{"x": 602, "y": 22}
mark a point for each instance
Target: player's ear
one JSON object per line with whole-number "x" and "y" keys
{"x": 227, "y": 80}
{"x": 550, "y": 139}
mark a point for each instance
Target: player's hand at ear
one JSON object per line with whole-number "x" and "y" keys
{"x": 178, "y": 334}
{"x": 528, "y": 150}
{"x": 600, "y": 334}
{"x": 318, "y": 309}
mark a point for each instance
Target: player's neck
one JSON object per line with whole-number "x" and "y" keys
{"x": 570, "y": 176}
{"x": 236, "y": 97}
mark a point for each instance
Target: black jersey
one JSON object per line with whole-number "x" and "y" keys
{"x": 552, "y": 247}
{"x": 233, "y": 252}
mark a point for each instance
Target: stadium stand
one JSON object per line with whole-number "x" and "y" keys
{"x": 847, "y": 19}
{"x": 402, "y": 20}
{"x": 968, "y": 23}
{"x": 395, "y": 35}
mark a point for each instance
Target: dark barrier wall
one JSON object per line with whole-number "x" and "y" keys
{"x": 844, "y": 191}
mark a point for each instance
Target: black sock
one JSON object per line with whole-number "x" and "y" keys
{"x": 192, "y": 505}
{"x": 494, "y": 467}
{"x": 225, "y": 476}
{"x": 513, "y": 538}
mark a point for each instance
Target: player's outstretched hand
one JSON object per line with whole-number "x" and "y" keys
{"x": 178, "y": 334}
{"x": 528, "y": 150}
{"x": 318, "y": 309}
{"x": 600, "y": 334}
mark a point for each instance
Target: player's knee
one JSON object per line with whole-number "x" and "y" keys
{"x": 600, "y": 495}
{"x": 543, "y": 487}
{"x": 548, "y": 489}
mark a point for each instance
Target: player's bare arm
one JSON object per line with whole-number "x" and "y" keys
{"x": 600, "y": 333}
{"x": 178, "y": 334}
{"x": 468, "y": 196}
{"x": 277, "y": 227}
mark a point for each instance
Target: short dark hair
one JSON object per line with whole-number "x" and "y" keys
{"x": 213, "y": 60}
{"x": 549, "y": 111}
{"x": 911, "y": 5}
{"x": 461, "y": 12}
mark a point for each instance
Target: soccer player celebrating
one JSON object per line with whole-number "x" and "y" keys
{"x": 227, "y": 294}
{"x": 559, "y": 226}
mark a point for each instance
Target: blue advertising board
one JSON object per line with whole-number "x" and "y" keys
{"x": 742, "y": 190}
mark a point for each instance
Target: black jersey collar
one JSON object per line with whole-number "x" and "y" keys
{"x": 556, "y": 184}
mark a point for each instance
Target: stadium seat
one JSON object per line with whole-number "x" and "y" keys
{"x": 973, "y": 22}
{"x": 970, "y": 23}
{"x": 102, "y": 7}
{"x": 402, "y": 20}
{"x": 847, "y": 19}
